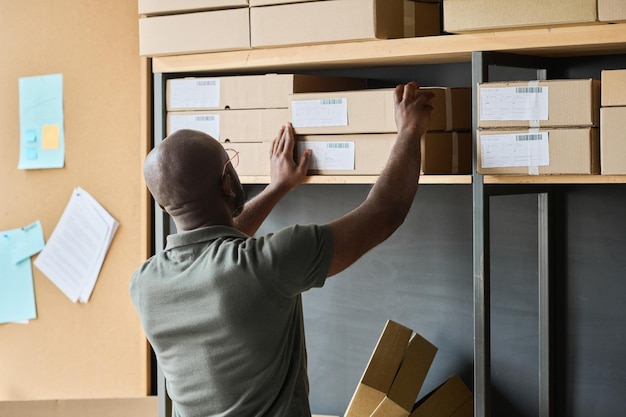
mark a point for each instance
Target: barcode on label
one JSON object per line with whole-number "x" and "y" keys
{"x": 528, "y": 90}
{"x": 524, "y": 138}
{"x": 337, "y": 145}
{"x": 205, "y": 82}
{"x": 331, "y": 101}
{"x": 205, "y": 118}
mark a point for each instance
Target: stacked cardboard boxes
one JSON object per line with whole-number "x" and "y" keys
{"x": 394, "y": 377}
{"x": 170, "y": 27}
{"x": 613, "y": 122}
{"x": 480, "y": 15}
{"x": 243, "y": 112}
{"x": 538, "y": 127}
{"x": 352, "y": 132}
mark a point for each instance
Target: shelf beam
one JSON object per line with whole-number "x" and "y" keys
{"x": 362, "y": 179}
{"x": 595, "y": 39}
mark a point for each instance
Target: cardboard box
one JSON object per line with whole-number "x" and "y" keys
{"x": 380, "y": 370}
{"x": 551, "y": 103}
{"x": 252, "y": 125}
{"x": 614, "y": 87}
{"x": 159, "y": 7}
{"x": 473, "y": 15}
{"x": 249, "y": 91}
{"x": 421, "y": 18}
{"x": 255, "y": 3}
{"x": 541, "y": 151}
{"x": 211, "y": 31}
{"x": 254, "y": 157}
{"x": 372, "y": 111}
{"x": 451, "y": 399}
{"x": 612, "y": 10}
{"x": 408, "y": 382}
{"x": 326, "y": 21}
{"x": 442, "y": 153}
{"x": 613, "y": 140}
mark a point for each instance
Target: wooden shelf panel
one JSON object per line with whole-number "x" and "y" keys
{"x": 555, "y": 179}
{"x": 362, "y": 179}
{"x": 594, "y": 39}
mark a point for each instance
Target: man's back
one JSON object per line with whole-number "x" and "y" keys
{"x": 224, "y": 315}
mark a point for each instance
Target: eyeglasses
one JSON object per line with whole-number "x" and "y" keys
{"x": 233, "y": 159}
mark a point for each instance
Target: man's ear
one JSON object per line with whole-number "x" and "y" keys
{"x": 227, "y": 185}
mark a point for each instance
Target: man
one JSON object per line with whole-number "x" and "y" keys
{"x": 223, "y": 310}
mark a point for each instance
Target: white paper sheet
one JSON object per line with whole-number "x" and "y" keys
{"x": 514, "y": 103}
{"x": 318, "y": 113}
{"x": 330, "y": 155}
{"x": 74, "y": 254}
{"x": 514, "y": 150}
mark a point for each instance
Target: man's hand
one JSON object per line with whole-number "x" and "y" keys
{"x": 412, "y": 112}
{"x": 285, "y": 174}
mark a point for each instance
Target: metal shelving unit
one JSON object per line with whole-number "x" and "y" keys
{"x": 538, "y": 45}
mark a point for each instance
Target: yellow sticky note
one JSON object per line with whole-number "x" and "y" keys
{"x": 50, "y": 137}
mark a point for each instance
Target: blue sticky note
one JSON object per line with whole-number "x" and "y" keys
{"x": 41, "y": 105}
{"x": 17, "y": 292}
{"x": 31, "y": 153}
{"x": 26, "y": 242}
{"x": 31, "y": 136}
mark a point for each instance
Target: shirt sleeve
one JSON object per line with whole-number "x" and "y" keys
{"x": 295, "y": 259}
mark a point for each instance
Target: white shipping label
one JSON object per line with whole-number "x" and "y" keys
{"x": 194, "y": 93}
{"x": 207, "y": 123}
{"x": 514, "y": 103}
{"x": 330, "y": 155}
{"x": 515, "y": 150}
{"x": 317, "y": 113}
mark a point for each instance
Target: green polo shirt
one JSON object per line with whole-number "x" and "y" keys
{"x": 223, "y": 313}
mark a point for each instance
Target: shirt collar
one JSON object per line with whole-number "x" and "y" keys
{"x": 203, "y": 234}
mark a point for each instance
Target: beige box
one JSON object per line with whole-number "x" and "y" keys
{"x": 159, "y": 7}
{"x": 372, "y": 111}
{"x": 254, "y": 159}
{"x": 187, "y": 33}
{"x": 614, "y": 87}
{"x": 408, "y": 382}
{"x": 442, "y": 153}
{"x": 249, "y": 91}
{"x": 250, "y": 125}
{"x": 541, "y": 151}
{"x": 380, "y": 370}
{"x": 551, "y": 103}
{"x": 255, "y": 3}
{"x": 612, "y": 10}
{"x": 451, "y": 399}
{"x": 421, "y": 18}
{"x": 326, "y": 21}
{"x": 613, "y": 140}
{"x": 472, "y": 15}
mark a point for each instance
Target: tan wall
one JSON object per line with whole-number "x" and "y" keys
{"x": 93, "y": 350}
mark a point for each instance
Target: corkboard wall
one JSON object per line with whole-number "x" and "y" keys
{"x": 97, "y": 349}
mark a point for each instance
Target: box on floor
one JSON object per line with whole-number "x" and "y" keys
{"x": 372, "y": 111}
{"x": 536, "y": 152}
{"x": 549, "y": 103}
{"x": 249, "y": 91}
{"x": 316, "y": 22}
{"x": 394, "y": 374}
{"x": 613, "y": 140}
{"x": 450, "y": 399}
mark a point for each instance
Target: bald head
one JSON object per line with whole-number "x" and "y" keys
{"x": 184, "y": 175}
